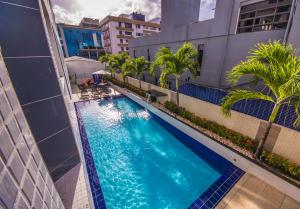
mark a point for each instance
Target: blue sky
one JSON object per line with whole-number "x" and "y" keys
{"x": 72, "y": 11}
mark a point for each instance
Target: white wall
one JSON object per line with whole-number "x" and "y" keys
{"x": 83, "y": 68}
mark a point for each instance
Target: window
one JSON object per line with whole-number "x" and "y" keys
{"x": 122, "y": 48}
{"x": 120, "y": 32}
{"x": 139, "y": 34}
{"x": 126, "y": 40}
{"x": 264, "y": 16}
{"x": 128, "y": 25}
{"x": 200, "y": 57}
{"x": 121, "y": 40}
{"x": 128, "y": 33}
{"x": 138, "y": 26}
{"x": 127, "y": 48}
{"x": 134, "y": 53}
{"x": 120, "y": 24}
{"x": 207, "y": 10}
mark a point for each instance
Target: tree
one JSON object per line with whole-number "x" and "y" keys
{"x": 115, "y": 61}
{"x": 278, "y": 67}
{"x": 136, "y": 67}
{"x": 104, "y": 59}
{"x": 185, "y": 59}
{"x": 126, "y": 70}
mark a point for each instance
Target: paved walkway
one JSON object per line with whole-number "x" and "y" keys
{"x": 253, "y": 193}
{"x": 72, "y": 188}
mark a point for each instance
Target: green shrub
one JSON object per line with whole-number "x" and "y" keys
{"x": 235, "y": 137}
{"x": 281, "y": 163}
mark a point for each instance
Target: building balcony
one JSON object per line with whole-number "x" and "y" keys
{"x": 107, "y": 44}
{"x": 123, "y": 52}
{"x": 148, "y": 31}
{"x": 124, "y": 36}
{"x": 124, "y": 29}
{"x": 123, "y": 44}
{"x": 104, "y": 29}
{"x": 106, "y": 37}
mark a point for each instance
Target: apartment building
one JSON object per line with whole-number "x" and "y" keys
{"x": 223, "y": 41}
{"x": 83, "y": 40}
{"x": 117, "y": 31}
{"x": 38, "y": 142}
{"x": 89, "y": 22}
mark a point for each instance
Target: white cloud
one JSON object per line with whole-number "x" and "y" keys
{"x": 72, "y": 11}
{"x": 207, "y": 9}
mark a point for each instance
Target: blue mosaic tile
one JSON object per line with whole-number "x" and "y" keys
{"x": 98, "y": 197}
{"x": 214, "y": 194}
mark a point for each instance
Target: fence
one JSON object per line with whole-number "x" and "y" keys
{"x": 256, "y": 108}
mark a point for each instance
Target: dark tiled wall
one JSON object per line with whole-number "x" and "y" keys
{"x": 30, "y": 64}
{"x": 24, "y": 179}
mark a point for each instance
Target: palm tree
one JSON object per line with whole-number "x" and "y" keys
{"x": 116, "y": 61}
{"x": 185, "y": 59}
{"x": 126, "y": 70}
{"x": 278, "y": 67}
{"x": 136, "y": 67}
{"x": 104, "y": 59}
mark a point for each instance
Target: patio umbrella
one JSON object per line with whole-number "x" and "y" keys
{"x": 101, "y": 72}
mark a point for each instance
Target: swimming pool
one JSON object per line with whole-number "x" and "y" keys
{"x": 137, "y": 160}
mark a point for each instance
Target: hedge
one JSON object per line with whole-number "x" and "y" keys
{"x": 131, "y": 88}
{"x": 242, "y": 141}
{"x": 235, "y": 137}
{"x": 281, "y": 163}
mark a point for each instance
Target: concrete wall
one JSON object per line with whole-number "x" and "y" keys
{"x": 24, "y": 178}
{"x": 35, "y": 64}
{"x": 81, "y": 68}
{"x": 294, "y": 37}
{"x": 282, "y": 140}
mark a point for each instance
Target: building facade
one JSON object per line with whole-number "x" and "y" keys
{"x": 82, "y": 40}
{"x": 37, "y": 137}
{"x": 117, "y": 31}
{"x": 223, "y": 41}
{"x": 24, "y": 178}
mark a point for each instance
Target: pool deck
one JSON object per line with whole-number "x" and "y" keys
{"x": 252, "y": 193}
{"x": 248, "y": 193}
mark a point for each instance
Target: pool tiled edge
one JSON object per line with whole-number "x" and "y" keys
{"x": 97, "y": 194}
{"x": 215, "y": 193}
{"x": 209, "y": 199}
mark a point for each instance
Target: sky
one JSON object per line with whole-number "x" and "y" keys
{"x": 72, "y": 11}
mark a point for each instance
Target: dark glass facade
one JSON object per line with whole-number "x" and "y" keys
{"x": 264, "y": 16}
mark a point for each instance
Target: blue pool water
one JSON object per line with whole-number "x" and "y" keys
{"x": 141, "y": 161}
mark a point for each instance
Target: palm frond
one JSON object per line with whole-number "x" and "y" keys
{"x": 292, "y": 85}
{"x": 272, "y": 53}
{"x": 256, "y": 70}
{"x": 164, "y": 77}
{"x": 141, "y": 65}
{"x": 238, "y": 95}
{"x": 104, "y": 58}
